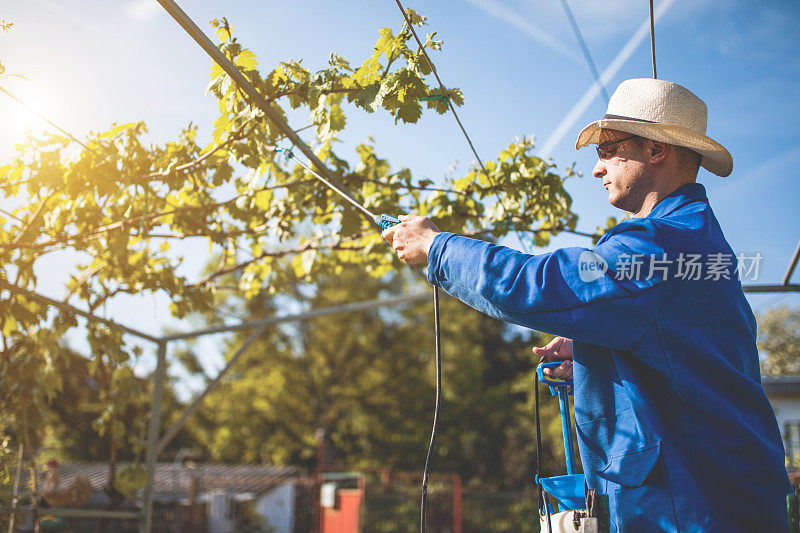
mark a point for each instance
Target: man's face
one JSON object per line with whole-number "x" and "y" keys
{"x": 623, "y": 169}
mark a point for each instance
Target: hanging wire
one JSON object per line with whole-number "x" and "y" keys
{"x": 455, "y": 114}
{"x": 542, "y": 495}
{"x": 426, "y": 472}
{"x": 653, "y": 39}
{"x": 576, "y": 30}
{"x": 41, "y": 116}
{"x": 334, "y": 188}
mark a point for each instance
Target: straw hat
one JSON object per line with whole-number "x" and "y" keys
{"x": 662, "y": 111}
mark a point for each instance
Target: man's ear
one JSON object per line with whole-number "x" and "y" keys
{"x": 658, "y": 151}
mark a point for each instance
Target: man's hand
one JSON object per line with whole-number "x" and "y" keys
{"x": 412, "y": 238}
{"x": 559, "y": 349}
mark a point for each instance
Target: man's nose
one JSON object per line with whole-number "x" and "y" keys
{"x": 599, "y": 169}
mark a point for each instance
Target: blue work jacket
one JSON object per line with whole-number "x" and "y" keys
{"x": 671, "y": 418}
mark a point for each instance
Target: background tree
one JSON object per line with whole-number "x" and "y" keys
{"x": 367, "y": 380}
{"x": 779, "y": 338}
{"x": 95, "y": 416}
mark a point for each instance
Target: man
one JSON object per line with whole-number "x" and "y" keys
{"x": 672, "y": 422}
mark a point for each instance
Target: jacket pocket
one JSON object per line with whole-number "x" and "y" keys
{"x": 631, "y": 468}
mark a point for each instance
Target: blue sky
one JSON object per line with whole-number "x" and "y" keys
{"x": 92, "y": 63}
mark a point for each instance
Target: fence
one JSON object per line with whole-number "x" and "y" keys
{"x": 482, "y": 512}
{"x": 495, "y": 512}
{"x": 391, "y": 503}
{"x": 394, "y": 508}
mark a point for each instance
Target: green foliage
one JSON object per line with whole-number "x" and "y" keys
{"x": 7, "y": 463}
{"x": 491, "y": 512}
{"x": 395, "y": 508}
{"x": 100, "y": 413}
{"x": 779, "y": 338}
{"x": 367, "y": 379}
{"x": 602, "y": 230}
{"x": 336, "y": 373}
{"x": 396, "y": 515}
{"x": 249, "y": 521}
{"x": 5, "y": 26}
{"x": 31, "y": 377}
{"x": 120, "y": 205}
{"x": 94, "y": 412}
{"x": 130, "y": 479}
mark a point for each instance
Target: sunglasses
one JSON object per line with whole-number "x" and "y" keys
{"x": 603, "y": 150}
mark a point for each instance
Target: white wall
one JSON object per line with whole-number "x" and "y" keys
{"x": 786, "y": 410}
{"x": 221, "y": 512}
{"x": 277, "y": 506}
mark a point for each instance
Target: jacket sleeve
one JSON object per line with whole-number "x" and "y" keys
{"x": 580, "y": 293}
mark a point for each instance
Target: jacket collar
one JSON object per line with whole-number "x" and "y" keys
{"x": 685, "y": 194}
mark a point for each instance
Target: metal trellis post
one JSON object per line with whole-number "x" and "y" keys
{"x": 152, "y": 436}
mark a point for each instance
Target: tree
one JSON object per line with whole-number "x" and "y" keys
{"x": 338, "y": 373}
{"x": 779, "y": 338}
{"x": 92, "y": 418}
{"x": 367, "y": 380}
{"x": 119, "y": 203}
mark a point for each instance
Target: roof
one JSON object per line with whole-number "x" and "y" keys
{"x": 781, "y": 385}
{"x": 175, "y": 479}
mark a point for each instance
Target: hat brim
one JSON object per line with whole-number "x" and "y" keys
{"x": 715, "y": 158}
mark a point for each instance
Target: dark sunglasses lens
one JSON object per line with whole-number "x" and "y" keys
{"x": 604, "y": 151}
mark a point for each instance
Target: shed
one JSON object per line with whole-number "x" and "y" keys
{"x": 784, "y": 395}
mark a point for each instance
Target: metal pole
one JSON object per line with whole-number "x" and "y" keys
{"x": 585, "y": 49}
{"x": 173, "y": 430}
{"x": 772, "y": 288}
{"x": 316, "y": 511}
{"x": 152, "y": 436}
{"x": 792, "y": 265}
{"x": 13, "y": 289}
{"x": 358, "y": 306}
{"x": 653, "y": 39}
{"x": 456, "y": 503}
{"x": 258, "y": 99}
{"x": 71, "y": 512}
{"x": 15, "y": 493}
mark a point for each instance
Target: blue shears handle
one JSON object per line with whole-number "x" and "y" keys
{"x": 562, "y": 389}
{"x": 386, "y": 221}
{"x": 554, "y": 384}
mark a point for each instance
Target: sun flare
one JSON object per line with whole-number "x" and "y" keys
{"x": 22, "y": 105}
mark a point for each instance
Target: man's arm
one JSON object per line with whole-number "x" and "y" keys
{"x": 549, "y": 292}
